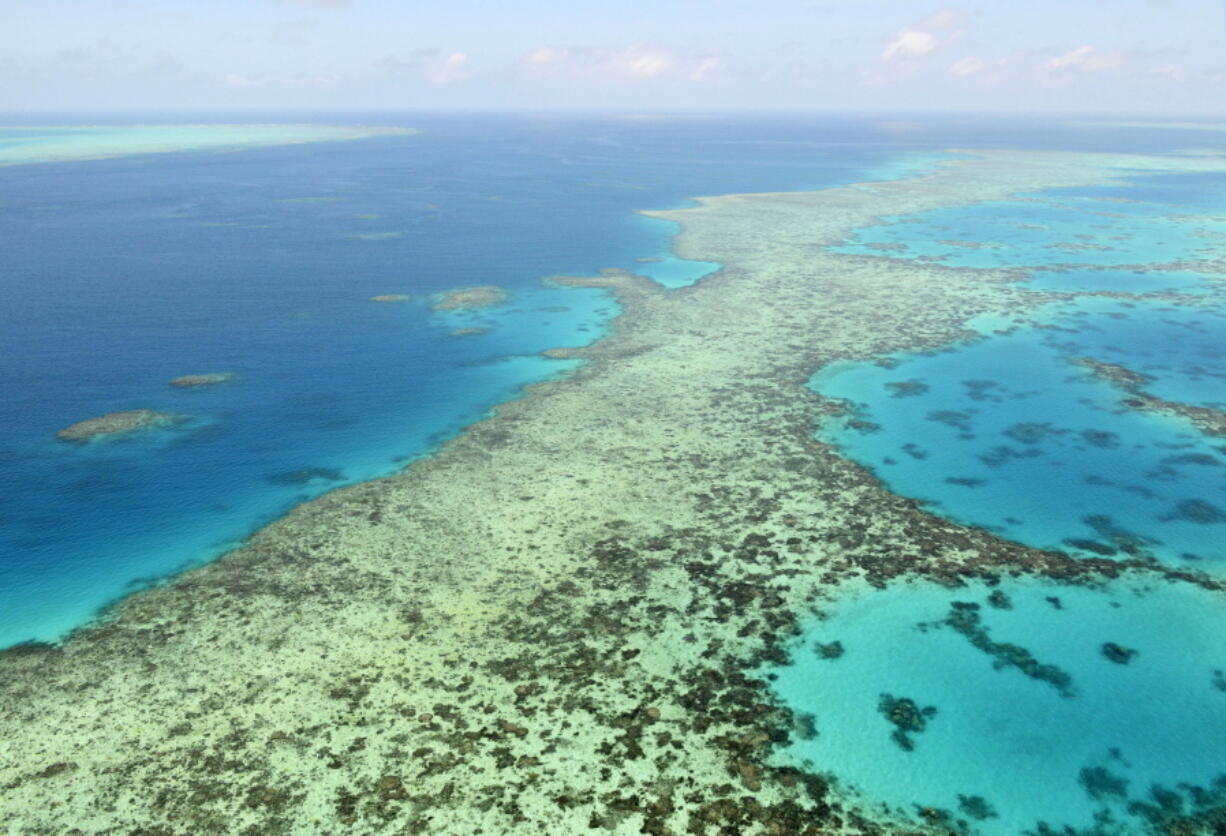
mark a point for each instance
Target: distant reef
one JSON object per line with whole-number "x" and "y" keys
{"x": 189, "y": 381}
{"x": 469, "y": 298}
{"x": 390, "y": 297}
{"x": 467, "y": 332}
{"x": 118, "y": 423}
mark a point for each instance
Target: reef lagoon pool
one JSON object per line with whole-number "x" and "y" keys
{"x": 1024, "y": 707}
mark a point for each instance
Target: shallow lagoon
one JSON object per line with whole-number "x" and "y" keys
{"x": 1008, "y": 431}
{"x": 1009, "y": 434}
{"x": 1131, "y": 736}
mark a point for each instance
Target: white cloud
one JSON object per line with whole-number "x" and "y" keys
{"x": 909, "y": 44}
{"x": 453, "y": 67}
{"x": 430, "y": 65}
{"x": 316, "y": 4}
{"x": 636, "y": 62}
{"x": 279, "y": 80}
{"x": 945, "y": 18}
{"x": 546, "y": 55}
{"x": 926, "y": 35}
{"x": 705, "y": 68}
{"x": 1084, "y": 58}
{"x": 631, "y": 63}
{"x": 968, "y": 66}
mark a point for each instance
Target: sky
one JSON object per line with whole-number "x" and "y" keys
{"x": 1147, "y": 57}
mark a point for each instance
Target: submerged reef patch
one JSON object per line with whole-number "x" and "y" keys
{"x": 115, "y": 424}
{"x": 189, "y": 381}
{"x": 471, "y": 298}
{"x": 391, "y": 298}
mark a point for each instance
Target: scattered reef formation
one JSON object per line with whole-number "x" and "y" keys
{"x": 118, "y": 423}
{"x": 906, "y": 717}
{"x": 964, "y": 618}
{"x": 552, "y": 624}
{"x": 1117, "y": 653}
{"x": 390, "y": 298}
{"x": 468, "y": 332}
{"x": 1207, "y": 419}
{"x": 470, "y": 298}
{"x": 190, "y": 381}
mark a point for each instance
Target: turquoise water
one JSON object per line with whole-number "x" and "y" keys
{"x": 1089, "y": 280}
{"x": 1092, "y": 711}
{"x": 1007, "y": 431}
{"x": 1063, "y": 228}
{"x": 669, "y": 269}
{"x": 1008, "y": 434}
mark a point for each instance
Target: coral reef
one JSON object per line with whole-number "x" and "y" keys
{"x": 1208, "y": 420}
{"x": 118, "y": 423}
{"x": 189, "y": 381}
{"x": 470, "y": 298}
{"x": 550, "y": 624}
{"x": 906, "y": 717}
{"x": 390, "y": 298}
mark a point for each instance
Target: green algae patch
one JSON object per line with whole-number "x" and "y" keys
{"x": 556, "y": 622}
{"x": 115, "y": 424}
{"x": 42, "y": 144}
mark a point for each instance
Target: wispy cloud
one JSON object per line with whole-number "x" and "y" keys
{"x": 279, "y": 80}
{"x": 433, "y": 65}
{"x": 637, "y": 62}
{"x": 1085, "y": 59}
{"x": 316, "y": 4}
{"x": 926, "y": 35}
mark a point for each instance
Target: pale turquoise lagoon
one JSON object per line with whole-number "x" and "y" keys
{"x": 1028, "y": 708}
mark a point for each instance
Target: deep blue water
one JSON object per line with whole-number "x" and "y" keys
{"x": 121, "y": 274}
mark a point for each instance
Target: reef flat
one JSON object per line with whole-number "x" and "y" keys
{"x": 45, "y": 144}
{"x": 553, "y": 625}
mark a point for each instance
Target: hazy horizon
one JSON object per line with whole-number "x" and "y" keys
{"x": 1137, "y": 57}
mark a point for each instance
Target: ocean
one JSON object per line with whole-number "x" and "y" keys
{"x": 126, "y": 272}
